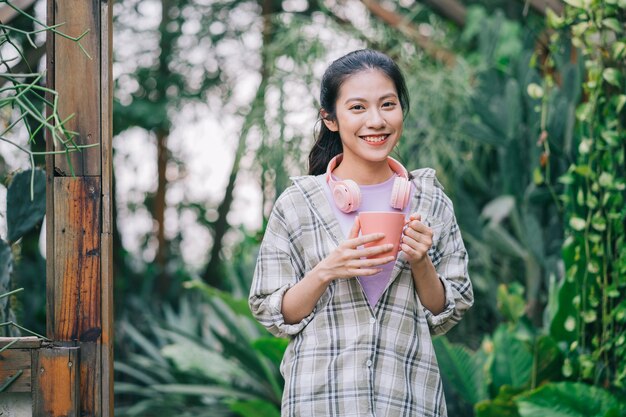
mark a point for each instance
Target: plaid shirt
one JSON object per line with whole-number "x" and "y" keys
{"x": 347, "y": 358}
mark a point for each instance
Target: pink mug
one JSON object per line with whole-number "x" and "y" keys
{"x": 391, "y": 223}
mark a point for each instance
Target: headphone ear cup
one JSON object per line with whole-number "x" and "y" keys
{"x": 347, "y": 195}
{"x": 400, "y": 193}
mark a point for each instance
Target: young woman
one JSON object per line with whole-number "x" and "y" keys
{"x": 361, "y": 327}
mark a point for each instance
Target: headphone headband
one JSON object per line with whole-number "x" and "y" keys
{"x": 347, "y": 194}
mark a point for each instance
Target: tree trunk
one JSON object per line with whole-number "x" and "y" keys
{"x": 214, "y": 273}
{"x": 160, "y": 205}
{"x": 449, "y": 9}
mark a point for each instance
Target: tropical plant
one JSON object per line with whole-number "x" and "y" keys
{"x": 209, "y": 358}
{"x": 517, "y": 372}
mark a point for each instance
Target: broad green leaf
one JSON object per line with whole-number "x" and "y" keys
{"x": 272, "y": 348}
{"x": 567, "y": 399}
{"x": 500, "y": 238}
{"x": 501, "y": 406}
{"x": 256, "y": 408}
{"x": 239, "y": 306}
{"x": 499, "y": 208}
{"x": 462, "y": 369}
{"x": 23, "y": 214}
{"x": 512, "y": 364}
{"x": 203, "y": 390}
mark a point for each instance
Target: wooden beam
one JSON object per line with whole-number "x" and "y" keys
{"x": 28, "y": 342}
{"x": 76, "y": 285}
{"x": 56, "y": 382}
{"x": 79, "y": 231}
{"x": 15, "y": 369}
{"x": 77, "y": 81}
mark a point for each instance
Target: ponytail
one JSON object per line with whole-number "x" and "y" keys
{"x": 326, "y": 147}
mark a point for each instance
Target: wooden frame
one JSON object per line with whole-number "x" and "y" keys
{"x": 71, "y": 374}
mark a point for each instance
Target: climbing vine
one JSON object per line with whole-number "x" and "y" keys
{"x": 592, "y": 305}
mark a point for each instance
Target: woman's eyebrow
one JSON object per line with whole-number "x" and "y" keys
{"x": 388, "y": 95}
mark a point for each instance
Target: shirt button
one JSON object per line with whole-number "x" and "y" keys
{"x": 372, "y": 320}
{"x": 368, "y": 363}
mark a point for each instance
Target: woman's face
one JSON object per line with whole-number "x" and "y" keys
{"x": 368, "y": 116}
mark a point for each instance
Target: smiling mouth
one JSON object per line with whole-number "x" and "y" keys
{"x": 375, "y": 139}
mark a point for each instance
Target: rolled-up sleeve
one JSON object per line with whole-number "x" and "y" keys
{"x": 278, "y": 268}
{"x": 452, "y": 269}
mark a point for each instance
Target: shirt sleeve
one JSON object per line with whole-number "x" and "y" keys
{"x": 450, "y": 260}
{"x": 277, "y": 270}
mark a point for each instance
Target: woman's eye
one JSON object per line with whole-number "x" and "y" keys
{"x": 389, "y": 104}
{"x": 357, "y": 107}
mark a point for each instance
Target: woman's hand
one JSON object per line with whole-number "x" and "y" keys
{"x": 348, "y": 260}
{"x": 417, "y": 239}
{"x": 344, "y": 262}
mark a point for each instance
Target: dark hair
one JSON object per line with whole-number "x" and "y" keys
{"x": 328, "y": 143}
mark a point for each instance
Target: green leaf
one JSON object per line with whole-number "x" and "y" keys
{"x": 510, "y": 301}
{"x": 24, "y": 214}
{"x": 462, "y": 369}
{"x": 501, "y": 406}
{"x": 606, "y": 179}
{"x": 612, "y": 76}
{"x": 577, "y": 223}
{"x": 620, "y": 102}
{"x": 499, "y": 208}
{"x": 619, "y": 50}
{"x": 611, "y": 137}
{"x": 272, "y": 348}
{"x": 534, "y": 90}
{"x": 256, "y": 408}
{"x": 500, "y": 238}
{"x": 202, "y": 390}
{"x": 239, "y": 306}
{"x": 512, "y": 362}
{"x": 567, "y": 399}
{"x": 612, "y": 23}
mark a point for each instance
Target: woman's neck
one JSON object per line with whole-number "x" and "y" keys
{"x": 367, "y": 173}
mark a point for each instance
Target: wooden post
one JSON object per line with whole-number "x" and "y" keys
{"x": 78, "y": 221}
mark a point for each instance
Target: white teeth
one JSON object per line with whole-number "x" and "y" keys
{"x": 374, "y": 139}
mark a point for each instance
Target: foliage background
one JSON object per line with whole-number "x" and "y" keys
{"x": 518, "y": 105}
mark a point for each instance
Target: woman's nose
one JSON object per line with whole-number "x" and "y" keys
{"x": 375, "y": 119}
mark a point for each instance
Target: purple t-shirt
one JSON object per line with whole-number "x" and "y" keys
{"x": 376, "y": 197}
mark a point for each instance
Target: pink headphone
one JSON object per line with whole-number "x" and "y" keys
{"x": 347, "y": 194}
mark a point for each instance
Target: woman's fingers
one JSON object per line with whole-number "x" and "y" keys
{"x": 362, "y": 240}
{"x": 354, "y": 232}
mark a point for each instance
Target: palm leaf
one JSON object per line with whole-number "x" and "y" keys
{"x": 461, "y": 370}
{"x": 569, "y": 399}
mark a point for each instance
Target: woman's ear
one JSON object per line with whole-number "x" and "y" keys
{"x": 330, "y": 123}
